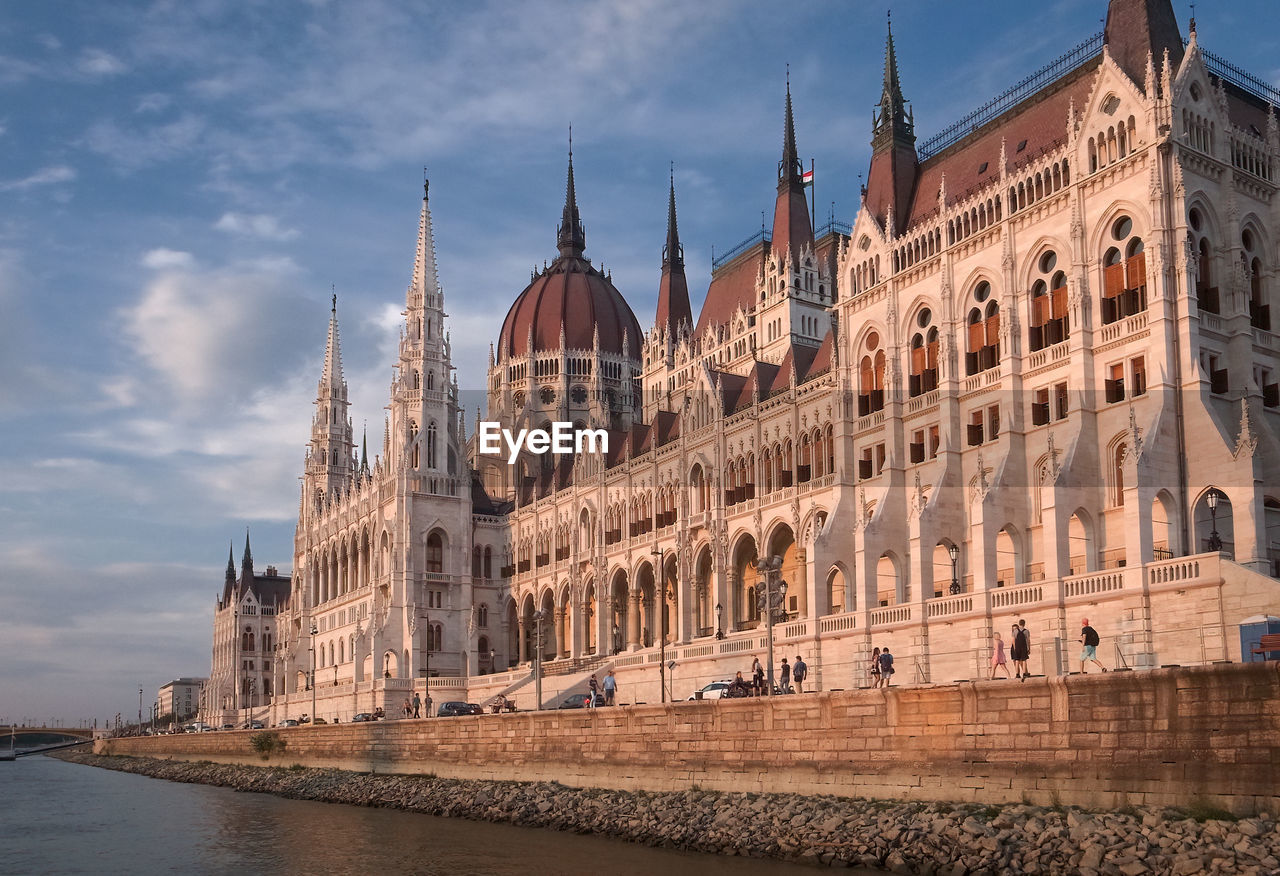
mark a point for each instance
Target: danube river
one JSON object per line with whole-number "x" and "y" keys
{"x": 62, "y": 818}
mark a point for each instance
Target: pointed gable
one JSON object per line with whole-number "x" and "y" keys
{"x": 1138, "y": 28}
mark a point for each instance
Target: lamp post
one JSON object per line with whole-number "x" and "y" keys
{"x": 1215, "y": 542}
{"x": 719, "y": 621}
{"x": 492, "y": 667}
{"x": 311, "y": 676}
{"x": 660, "y": 553}
{"x": 955, "y": 582}
{"x": 768, "y": 602}
{"x": 139, "y": 711}
{"x": 537, "y": 659}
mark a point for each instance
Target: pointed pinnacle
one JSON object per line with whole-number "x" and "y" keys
{"x": 672, "y": 253}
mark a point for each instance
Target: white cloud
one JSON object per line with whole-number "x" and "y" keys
{"x": 259, "y": 225}
{"x": 134, "y": 148}
{"x": 52, "y": 175}
{"x": 98, "y": 62}
{"x": 153, "y": 103}
{"x": 162, "y": 259}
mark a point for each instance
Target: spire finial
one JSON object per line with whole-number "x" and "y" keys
{"x": 673, "y": 252}
{"x": 571, "y": 240}
{"x": 789, "y": 168}
{"x": 426, "y": 183}
{"x": 333, "y": 307}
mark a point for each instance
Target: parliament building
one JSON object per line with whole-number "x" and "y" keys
{"x": 1036, "y": 379}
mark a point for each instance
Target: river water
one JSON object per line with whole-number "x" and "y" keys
{"x": 62, "y": 818}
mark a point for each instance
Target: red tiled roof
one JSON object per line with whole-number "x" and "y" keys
{"x": 1041, "y": 120}
{"x": 822, "y": 358}
{"x": 732, "y": 287}
{"x": 574, "y": 296}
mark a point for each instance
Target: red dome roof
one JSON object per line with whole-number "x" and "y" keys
{"x": 572, "y": 295}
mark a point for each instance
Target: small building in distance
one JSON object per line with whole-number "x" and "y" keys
{"x": 179, "y": 699}
{"x": 244, "y": 642}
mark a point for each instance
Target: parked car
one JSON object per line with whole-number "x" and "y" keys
{"x": 319, "y": 721}
{"x": 288, "y": 722}
{"x": 198, "y": 727}
{"x": 227, "y": 727}
{"x": 361, "y": 716}
{"x": 454, "y": 709}
{"x": 579, "y": 701}
{"x": 253, "y": 725}
{"x": 713, "y": 690}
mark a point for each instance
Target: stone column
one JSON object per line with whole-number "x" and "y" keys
{"x": 562, "y": 631}
{"x": 520, "y": 641}
{"x": 633, "y": 621}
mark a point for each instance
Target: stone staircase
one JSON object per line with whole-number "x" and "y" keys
{"x": 574, "y": 678}
{"x": 507, "y": 691}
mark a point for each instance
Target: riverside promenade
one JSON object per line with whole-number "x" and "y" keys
{"x": 1205, "y": 736}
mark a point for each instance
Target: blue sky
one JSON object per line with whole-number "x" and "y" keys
{"x": 182, "y": 182}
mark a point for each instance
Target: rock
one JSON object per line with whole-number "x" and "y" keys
{"x": 1092, "y": 857}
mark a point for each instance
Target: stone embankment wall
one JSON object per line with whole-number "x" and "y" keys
{"x": 1169, "y": 737}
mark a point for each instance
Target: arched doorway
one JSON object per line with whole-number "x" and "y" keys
{"x": 1164, "y": 532}
{"x": 706, "y": 620}
{"x": 1215, "y": 529}
{"x": 1080, "y": 544}
{"x": 944, "y": 570}
{"x": 619, "y": 611}
{"x": 1008, "y": 557}
{"x": 648, "y": 605}
{"x": 886, "y": 580}
{"x": 837, "y": 590}
{"x": 590, "y": 610}
{"x": 746, "y": 613}
{"x": 782, "y": 543}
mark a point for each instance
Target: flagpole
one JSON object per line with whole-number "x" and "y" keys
{"x": 813, "y": 197}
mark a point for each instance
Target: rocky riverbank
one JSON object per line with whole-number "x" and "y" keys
{"x": 919, "y": 838}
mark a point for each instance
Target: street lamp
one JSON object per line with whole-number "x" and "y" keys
{"x": 311, "y": 676}
{"x": 538, "y": 617}
{"x": 492, "y": 666}
{"x": 1215, "y": 542}
{"x": 660, "y": 553}
{"x": 955, "y": 582}
{"x": 719, "y": 621}
{"x": 769, "y": 601}
{"x": 139, "y": 711}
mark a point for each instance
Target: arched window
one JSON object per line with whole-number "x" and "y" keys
{"x": 431, "y": 380}
{"x": 488, "y": 562}
{"x": 431, "y": 446}
{"x": 871, "y": 376}
{"x": 1048, "y": 323}
{"x": 482, "y": 615}
{"x": 1117, "y": 472}
{"x": 475, "y": 562}
{"x": 413, "y": 442}
{"x": 1124, "y": 273}
{"x": 924, "y": 356}
{"x": 435, "y": 553}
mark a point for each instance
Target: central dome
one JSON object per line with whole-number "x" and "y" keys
{"x": 570, "y": 297}
{"x": 573, "y": 297}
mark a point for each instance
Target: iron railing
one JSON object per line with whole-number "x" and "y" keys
{"x": 1224, "y": 69}
{"x": 1046, "y": 75}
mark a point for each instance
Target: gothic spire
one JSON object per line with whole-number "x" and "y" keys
{"x": 792, "y": 228}
{"x": 673, "y": 289}
{"x": 246, "y": 563}
{"x": 231, "y": 563}
{"x": 789, "y": 167}
{"x": 894, "y": 125}
{"x": 364, "y": 450}
{"x": 1136, "y": 28}
{"x": 673, "y": 252}
{"x": 332, "y": 377}
{"x": 571, "y": 240}
{"x": 894, "y": 163}
{"x": 425, "y": 278}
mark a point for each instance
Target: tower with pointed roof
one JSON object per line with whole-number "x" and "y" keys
{"x": 894, "y": 163}
{"x": 329, "y": 464}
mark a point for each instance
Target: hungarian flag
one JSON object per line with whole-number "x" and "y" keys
{"x": 807, "y": 177}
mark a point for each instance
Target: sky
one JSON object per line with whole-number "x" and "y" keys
{"x": 183, "y": 183}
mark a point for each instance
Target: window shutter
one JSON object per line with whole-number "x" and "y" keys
{"x": 1058, "y": 308}
{"x": 1136, "y": 268}
{"x": 993, "y": 329}
{"x": 977, "y": 336}
{"x": 1112, "y": 281}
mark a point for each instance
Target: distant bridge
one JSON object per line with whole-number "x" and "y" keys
{"x": 36, "y": 740}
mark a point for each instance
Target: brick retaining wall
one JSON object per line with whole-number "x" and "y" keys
{"x": 1164, "y": 737}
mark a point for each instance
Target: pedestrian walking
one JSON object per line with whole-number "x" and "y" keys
{"x": 594, "y": 687}
{"x": 408, "y": 707}
{"x": 757, "y": 677}
{"x": 799, "y": 672}
{"x": 785, "y": 685}
{"x": 1020, "y": 651}
{"x": 1090, "y": 641}
{"x": 417, "y": 705}
{"x": 997, "y": 656}
{"x": 428, "y": 704}
{"x": 886, "y": 667}
{"x": 875, "y": 668}
{"x": 610, "y": 688}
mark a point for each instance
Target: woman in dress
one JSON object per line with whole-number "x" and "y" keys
{"x": 875, "y": 668}
{"x": 997, "y": 656}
